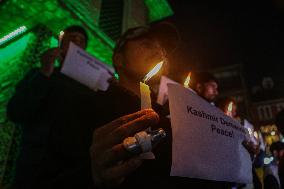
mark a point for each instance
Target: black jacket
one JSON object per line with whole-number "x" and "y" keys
{"x": 59, "y": 115}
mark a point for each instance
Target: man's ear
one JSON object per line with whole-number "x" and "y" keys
{"x": 118, "y": 61}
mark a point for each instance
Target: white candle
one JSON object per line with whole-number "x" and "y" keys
{"x": 60, "y": 38}
{"x": 230, "y": 109}
{"x": 187, "y": 82}
{"x": 145, "y": 93}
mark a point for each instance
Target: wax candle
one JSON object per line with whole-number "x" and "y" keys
{"x": 145, "y": 93}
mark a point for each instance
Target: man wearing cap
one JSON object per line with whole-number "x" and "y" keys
{"x": 112, "y": 165}
{"x": 135, "y": 54}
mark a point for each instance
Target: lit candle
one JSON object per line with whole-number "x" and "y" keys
{"x": 60, "y": 38}
{"x": 255, "y": 134}
{"x": 145, "y": 92}
{"x": 187, "y": 80}
{"x": 229, "y": 109}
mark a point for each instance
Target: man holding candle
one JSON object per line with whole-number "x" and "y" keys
{"x": 136, "y": 52}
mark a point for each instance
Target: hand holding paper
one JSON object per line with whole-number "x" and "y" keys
{"x": 86, "y": 69}
{"x": 206, "y": 142}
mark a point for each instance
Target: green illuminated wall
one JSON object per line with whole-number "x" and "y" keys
{"x": 56, "y": 15}
{"x": 44, "y": 19}
{"x": 158, "y": 9}
{"x": 16, "y": 59}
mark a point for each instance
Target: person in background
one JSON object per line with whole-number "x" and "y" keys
{"x": 206, "y": 85}
{"x": 52, "y": 110}
{"x": 229, "y": 106}
{"x": 271, "y": 176}
{"x": 279, "y": 121}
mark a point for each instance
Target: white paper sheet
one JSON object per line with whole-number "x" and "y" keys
{"x": 206, "y": 142}
{"x": 163, "y": 90}
{"x": 250, "y": 129}
{"x": 89, "y": 71}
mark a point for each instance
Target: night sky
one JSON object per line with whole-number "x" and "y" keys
{"x": 220, "y": 33}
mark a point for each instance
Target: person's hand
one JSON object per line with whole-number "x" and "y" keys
{"x": 47, "y": 61}
{"x": 251, "y": 148}
{"x": 111, "y": 162}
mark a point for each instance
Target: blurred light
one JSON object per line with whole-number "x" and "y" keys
{"x": 11, "y": 51}
{"x": 153, "y": 71}
{"x": 272, "y": 133}
{"x": 255, "y": 134}
{"x": 250, "y": 131}
{"x": 230, "y": 107}
{"x": 158, "y": 9}
{"x": 61, "y": 33}
{"x": 271, "y": 159}
{"x": 187, "y": 80}
{"x": 266, "y": 160}
{"x": 13, "y": 34}
{"x": 116, "y": 76}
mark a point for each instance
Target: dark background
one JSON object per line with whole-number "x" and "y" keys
{"x": 220, "y": 33}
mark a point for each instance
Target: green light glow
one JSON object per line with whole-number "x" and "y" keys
{"x": 53, "y": 42}
{"x": 13, "y": 49}
{"x": 158, "y": 9}
{"x": 116, "y": 76}
{"x": 13, "y": 34}
{"x": 17, "y": 57}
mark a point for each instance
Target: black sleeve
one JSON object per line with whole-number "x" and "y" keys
{"x": 29, "y": 95}
{"x": 270, "y": 182}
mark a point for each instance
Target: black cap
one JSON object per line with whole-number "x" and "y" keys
{"x": 131, "y": 34}
{"x": 165, "y": 33}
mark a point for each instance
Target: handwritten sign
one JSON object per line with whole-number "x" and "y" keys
{"x": 86, "y": 69}
{"x": 206, "y": 142}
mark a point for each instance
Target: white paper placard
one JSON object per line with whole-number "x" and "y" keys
{"x": 250, "y": 129}
{"x": 206, "y": 142}
{"x": 163, "y": 90}
{"x": 89, "y": 71}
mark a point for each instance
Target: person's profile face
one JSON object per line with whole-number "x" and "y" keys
{"x": 76, "y": 37}
{"x": 210, "y": 90}
{"x": 141, "y": 55}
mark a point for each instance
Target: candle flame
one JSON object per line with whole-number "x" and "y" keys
{"x": 60, "y": 38}
{"x": 61, "y": 34}
{"x": 187, "y": 80}
{"x": 255, "y": 134}
{"x": 230, "y": 107}
{"x": 153, "y": 71}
